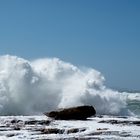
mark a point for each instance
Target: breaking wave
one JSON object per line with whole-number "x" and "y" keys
{"x": 33, "y": 87}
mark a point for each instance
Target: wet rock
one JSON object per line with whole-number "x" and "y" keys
{"x": 109, "y": 121}
{"x": 52, "y": 131}
{"x": 121, "y": 122}
{"x": 60, "y": 131}
{"x": 75, "y": 130}
{"x": 113, "y": 133}
{"x": 136, "y": 123}
{"x": 16, "y": 128}
{"x": 11, "y": 135}
{"x": 39, "y": 122}
{"x": 124, "y": 134}
{"x": 15, "y": 121}
{"x": 100, "y": 129}
{"x": 73, "y": 113}
{"x": 95, "y": 133}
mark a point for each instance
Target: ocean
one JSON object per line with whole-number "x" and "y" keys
{"x": 133, "y": 103}
{"x": 30, "y": 88}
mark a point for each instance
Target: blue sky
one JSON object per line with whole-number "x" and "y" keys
{"x": 103, "y": 34}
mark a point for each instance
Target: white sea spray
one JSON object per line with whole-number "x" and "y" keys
{"x": 32, "y": 87}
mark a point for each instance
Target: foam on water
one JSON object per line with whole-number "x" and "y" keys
{"x": 32, "y": 87}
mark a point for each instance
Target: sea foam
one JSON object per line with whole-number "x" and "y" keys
{"x": 33, "y": 87}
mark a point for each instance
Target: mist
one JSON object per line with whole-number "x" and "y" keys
{"x": 33, "y": 87}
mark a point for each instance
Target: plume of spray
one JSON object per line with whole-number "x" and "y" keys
{"x": 33, "y": 87}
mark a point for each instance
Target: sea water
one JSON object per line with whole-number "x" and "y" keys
{"x": 133, "y": 103}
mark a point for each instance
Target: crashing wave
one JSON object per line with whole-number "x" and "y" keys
{"x": 32, "y": 87}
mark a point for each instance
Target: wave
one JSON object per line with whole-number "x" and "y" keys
{"x": 32, "y": 87}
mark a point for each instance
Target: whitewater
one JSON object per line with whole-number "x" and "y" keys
{"x": 33, "y": 87}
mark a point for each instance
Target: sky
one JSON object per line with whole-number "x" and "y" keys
{"x": 102, "y": 34}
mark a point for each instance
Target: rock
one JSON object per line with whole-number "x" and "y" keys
{"x": 136, "y": 122}
{"x": 17, "y": 128}
{"x": 100, "y": 129}
{"x": 121, "y": 122}
{"x": 14, "y": 121}
{"x": 73, "y": 113}
{"x": 37, "y": 122}
{"x": 11, "y": 135}
{"x": 75, "y": 130}
{"x": 60, "y": 131}
{"x": 52, "y": 131}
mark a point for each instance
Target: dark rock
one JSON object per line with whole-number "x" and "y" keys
{"x": 113, "y": 133}
{"x": 13, "y": 121}
{"x": 52, "y": 131}
{"x": 75, "y": 130}
{"x": 112, "y": 121}
{"x": 136, "y": 122}
{"x": 127, "y": 122}
{"x": 60, "y": 131}
{"x": 17, "y": 128}
{"x": 39, "y": 122}
{"x": 11, "y": 135}
{"x": 73, "y": 113}
{"x": 44, "y": 122}
{"x": 100, "y": 129}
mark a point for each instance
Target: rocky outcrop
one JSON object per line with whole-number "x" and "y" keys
{"x": 73, "y": 113}
{"x": 123, "y": 122}
{"x": 61, "y": 131}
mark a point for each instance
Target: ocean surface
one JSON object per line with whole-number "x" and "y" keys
{"x": 133, "y": 103}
